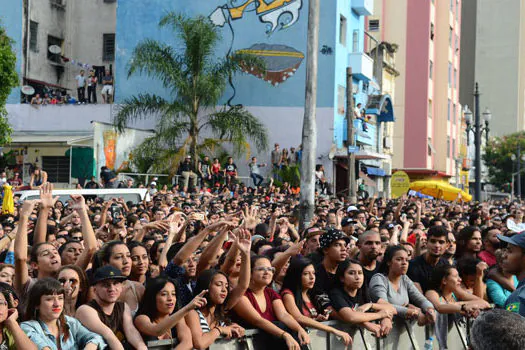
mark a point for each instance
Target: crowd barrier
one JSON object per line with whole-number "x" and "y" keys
{"x": 404, "y": 336}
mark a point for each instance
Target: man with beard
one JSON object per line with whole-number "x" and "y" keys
{"x": 514, "y": 262}
{"x": 370, "y": 248}
{"x": 332, "y": 245}
{"x": 420, "y": 268}
{"x": 490, "y": 244}
{"x": 107, "y": 316}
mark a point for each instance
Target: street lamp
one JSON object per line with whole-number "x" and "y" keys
{"x": 478, "y": 131}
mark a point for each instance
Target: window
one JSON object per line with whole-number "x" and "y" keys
{"x": 448, "y": 109}
{"x": 355, "y": 41}
{"x": 342, "y": 30}
{"x": 448, "y": 146}
{"x": 59, "y": 4}
{"x": 57, "y": 168}
{"x": 455, "y": 78}
{"x": 449, "y": 74}
{"x": 452, "y": 5}
{"x": 52, "y": 40}
{"x": 373, "y": 25}
{"x": 454, "y": 113}
{"x": 453, "y": 147}
{"x": 33, "y": 36}
{"x": 450, "y": 36}
{"x": 431, "y": 31}
{"x": 431, "y": 70}
{"x": 341, "y": 92}
{"x": 110, "y": 1}
{"x": 108, "y": 47}
{"x": 430, "y": 109}
{"x": 430, "y": 148}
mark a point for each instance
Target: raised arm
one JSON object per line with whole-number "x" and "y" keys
{"x": 243, "y": 240}
{"x": 21, "y": 270}
{"x": 90, "y": 241}
{"x": 212, "y": 249}
{"x": 47, "y": 202}
{"x": 176, "y": 224}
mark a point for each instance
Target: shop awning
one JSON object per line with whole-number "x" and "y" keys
{"x": 40, "y": 82}
{"x": 375, "y": 171}
{"x": 73, "y": 139}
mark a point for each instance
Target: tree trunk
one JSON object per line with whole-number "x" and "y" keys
{"x": 309, "y": 138}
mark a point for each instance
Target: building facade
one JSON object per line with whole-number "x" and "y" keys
{"x": 277, "y": 33}
{"x": 495, "y": 37}
{"x": 426, "y": 133}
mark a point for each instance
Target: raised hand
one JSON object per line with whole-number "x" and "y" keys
{"x": 244, "y": 241}
{"x": 46, "y": 196}
{"x": 28, "y": 207}
{"x": 78, "y": 202}
{"x": 199, "y": 301}
{"x": 295, "y": 248}
{"x": 250, "y": 217}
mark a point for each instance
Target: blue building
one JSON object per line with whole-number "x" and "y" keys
{"x": 275, "y": 31}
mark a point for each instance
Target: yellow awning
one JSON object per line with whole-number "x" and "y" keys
{"x": 440, "y": 190}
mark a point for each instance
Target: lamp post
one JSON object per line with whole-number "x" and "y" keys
{"x": 478, "y": 131}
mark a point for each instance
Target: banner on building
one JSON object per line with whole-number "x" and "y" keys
{"x": 464, "y": 180}
{"x": 113, "y": 149}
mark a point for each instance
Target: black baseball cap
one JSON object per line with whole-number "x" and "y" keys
{"x": 107, "y": 272}
{"x": 331, "y": 236}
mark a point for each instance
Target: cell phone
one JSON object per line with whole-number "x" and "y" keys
{"x": 115, "y": 212}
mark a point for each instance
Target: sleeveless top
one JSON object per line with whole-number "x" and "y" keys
{"x": 204, "y": 323}
{"x": 113, "y": 321}
{"x": 134, "y": 312}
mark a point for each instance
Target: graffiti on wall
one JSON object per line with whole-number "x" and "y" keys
{"x": 280, "y": 61}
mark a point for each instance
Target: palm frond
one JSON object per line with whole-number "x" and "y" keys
{"x": 139, "y": 107}
{"x": 157, "y": 60}
{"x": 237, "y": 125}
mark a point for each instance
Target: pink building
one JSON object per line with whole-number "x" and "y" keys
{"x": 427, "y": 129}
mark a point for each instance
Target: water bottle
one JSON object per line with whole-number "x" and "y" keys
{"x": 428, "y": 343}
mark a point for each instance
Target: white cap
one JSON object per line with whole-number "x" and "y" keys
{"x": 351, "y": 208}
{"x": 153, "y": 183}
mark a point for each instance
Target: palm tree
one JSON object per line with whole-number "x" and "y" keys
{"x": 196, "y": 80}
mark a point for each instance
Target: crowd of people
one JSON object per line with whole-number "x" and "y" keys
{"x": 192, "y": 268}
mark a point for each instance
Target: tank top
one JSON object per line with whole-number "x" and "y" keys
{"x": 115, "y": 320}
{"x": 204, "y": 323}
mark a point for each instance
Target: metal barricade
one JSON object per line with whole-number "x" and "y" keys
{"x": 404, "y": 336}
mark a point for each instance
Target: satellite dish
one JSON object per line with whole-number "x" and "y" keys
{"x": 28, "y": 90}
{"x": 55, "y": 49}
{"x": 333, "y": 149}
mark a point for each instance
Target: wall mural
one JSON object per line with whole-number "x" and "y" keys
{"x": 281, "y": 61}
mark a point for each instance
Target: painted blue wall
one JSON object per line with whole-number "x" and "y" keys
{"x": 11, "y": 19}
{"x": 138, "y": 19}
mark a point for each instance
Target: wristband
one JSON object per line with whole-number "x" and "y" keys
{"x": 217, "y": 328}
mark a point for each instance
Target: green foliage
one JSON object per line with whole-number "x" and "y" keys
{"x": 8, "y": 80}
{"x": 196, "y": 80}
{"x": 290, "y": 174}
{"x": 497, "y": 157}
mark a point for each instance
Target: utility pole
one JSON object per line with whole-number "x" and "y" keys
{"x": 477, "y": 142}
{"x": 309, "y": 137}
{"x": 352, "y": 190}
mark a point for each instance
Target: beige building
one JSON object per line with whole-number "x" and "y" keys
{"x": 427, "y": 128}
{"x": 494, "y": 56}
{"x": 84, "y": 30}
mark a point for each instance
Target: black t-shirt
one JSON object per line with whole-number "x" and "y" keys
{"x": 369, "y": 274}
{"x": 92, "y": 185}
{"x": 107, "y": 175}
{"x": 340, "y": 299}
{"x": 420, "y": 271}
{"x": 230, "y": 167}
{"x": 324, "y": 281}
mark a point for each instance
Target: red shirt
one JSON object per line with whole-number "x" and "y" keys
{"x": 308, "y": 308}
{"x": 270, "y": 295}
{"x": 488, "y": 257}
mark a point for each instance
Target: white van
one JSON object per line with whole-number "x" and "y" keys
{"x": 134, "y": 195}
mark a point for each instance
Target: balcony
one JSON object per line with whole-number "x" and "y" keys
{"x": 362, "y": 65}
{"x": 363, "y": 7}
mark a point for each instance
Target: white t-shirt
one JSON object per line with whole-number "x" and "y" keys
{"x": 81, "y": 80}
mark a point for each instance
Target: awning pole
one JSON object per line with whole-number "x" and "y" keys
{"x": 70, "y": 163}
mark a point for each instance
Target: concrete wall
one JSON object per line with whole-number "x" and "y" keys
{"x": 81, "y": 24}
{"x": 11, "y": 20}
{"x": 499, "y": 41}
{"x": 468, "y": 52}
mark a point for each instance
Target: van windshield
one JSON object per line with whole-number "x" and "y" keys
{"x": 128, "y": 197}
